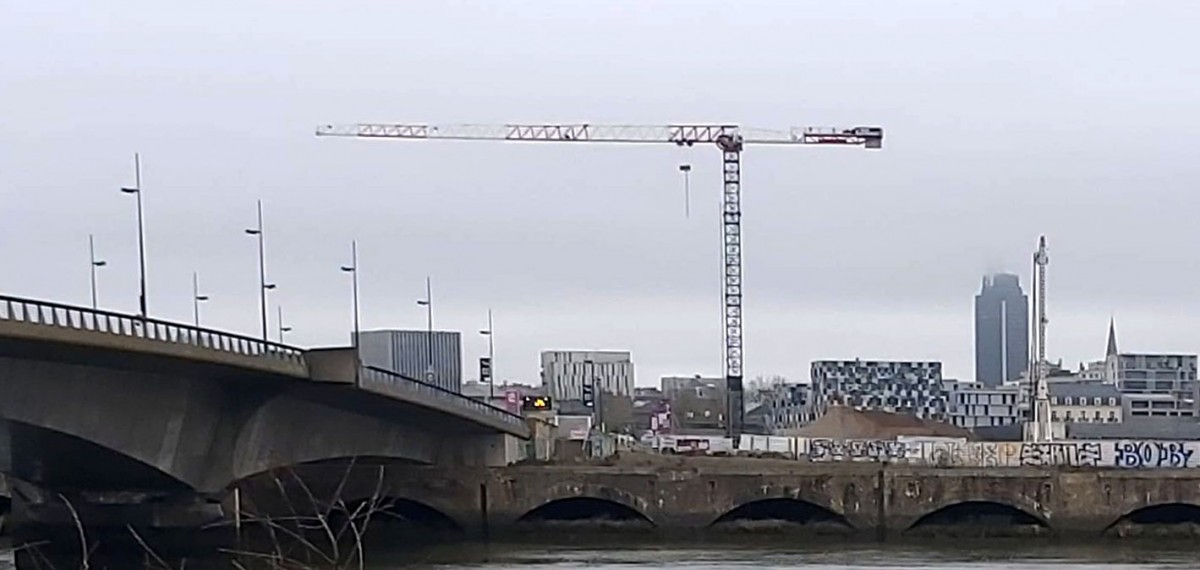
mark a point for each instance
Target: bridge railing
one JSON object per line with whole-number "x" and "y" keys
{"x": 80, "y": 318}
{"x": 402, "y": 383}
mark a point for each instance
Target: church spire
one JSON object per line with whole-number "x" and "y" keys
{"x": 1112, "y": 337}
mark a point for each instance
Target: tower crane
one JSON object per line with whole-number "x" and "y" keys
{"x": 730, "y": 139}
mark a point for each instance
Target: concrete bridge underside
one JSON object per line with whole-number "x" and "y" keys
{"x": 80, "y": 418}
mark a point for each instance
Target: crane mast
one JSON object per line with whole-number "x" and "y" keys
{"x": 730, "y": 139}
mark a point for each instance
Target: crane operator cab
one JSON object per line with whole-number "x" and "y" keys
{"x": 872, "y": 135}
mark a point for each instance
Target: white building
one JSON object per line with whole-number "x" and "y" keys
{"x": 1082, "y": 402}
{"x": 974, "y": 405}
{"x": 566, "y": 372}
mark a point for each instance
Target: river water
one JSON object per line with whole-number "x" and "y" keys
{"x": 998, "y": 555}
{"x": 993, "y": 555}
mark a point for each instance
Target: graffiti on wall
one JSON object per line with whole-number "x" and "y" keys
{"x": 856, "y": 450}
{"x": 1065, "y": 454}
{"x": 1154, "y": 454}
{"x": 967, "y": 454}
{"x": 1128, "y": 454}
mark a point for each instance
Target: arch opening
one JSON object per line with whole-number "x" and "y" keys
{"x": 1163, "y": 520}
{"x": 63, "y": 461}
{"x": 979, "y": 518}
{"x": 781, "y": 514}
{"x": 392, "y": 518}
{"x": 585, "y": 510}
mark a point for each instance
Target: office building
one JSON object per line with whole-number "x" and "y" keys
{"x": 566, "y": 372}
{"x": 785, "y": 408}
{"x": 698, "y": 405}
{"x": 409, "y": 353}
{"x": 973, "y": 405}
{"x": 1153, "y": 385}
{"x": 914, "y": 388}
{"x": 1001, "y": 330}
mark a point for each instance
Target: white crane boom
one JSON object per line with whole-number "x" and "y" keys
{"x": 730, "y": 139}
{"x": 871, "y": 137}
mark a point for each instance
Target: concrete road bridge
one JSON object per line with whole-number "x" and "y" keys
{"x": 96, "y": 402}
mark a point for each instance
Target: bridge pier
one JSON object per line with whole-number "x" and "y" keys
{"x": 112, "y": 521}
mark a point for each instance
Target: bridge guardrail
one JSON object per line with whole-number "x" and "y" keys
{"x": 402, "y": 382}
{"x": 81, "y": 318}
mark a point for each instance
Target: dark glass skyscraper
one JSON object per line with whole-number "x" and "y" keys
{"x": 1001, "y": 330}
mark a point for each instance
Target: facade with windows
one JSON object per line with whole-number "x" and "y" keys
{"x": 786, "y": 407}
{"x": 974, "y": 405}
{"x": 1082, "y": 402}
{"x": 905, "y": 387}
{"x": 566, "y": 372}
{"x": 1154, "y": 385}
{"x": 698, "y": 405}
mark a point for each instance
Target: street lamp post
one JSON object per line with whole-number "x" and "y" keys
{"x": 282, "y": 329}
{"x": 95, "y": 264}
{"x": 137, "y": 191}
{"x": 352, "y": 269}
{"x": 263, "y": 286}
{"x": 427, "y": 302}
{"x": 197, "y": 298}
{"x": 491, "y": 358}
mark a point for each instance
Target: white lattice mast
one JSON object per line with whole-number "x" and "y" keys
{"x": 1042, "y": 430}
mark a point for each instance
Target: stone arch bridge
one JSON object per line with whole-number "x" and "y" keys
{"x": 872, "y": 500}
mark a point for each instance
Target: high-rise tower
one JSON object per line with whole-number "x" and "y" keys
{"x": 1001, "y": 330}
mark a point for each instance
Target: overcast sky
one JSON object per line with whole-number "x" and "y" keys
{"x": 1004, "y": 120}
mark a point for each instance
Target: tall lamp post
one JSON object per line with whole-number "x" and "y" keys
{"x": 282, "y": 329}
{"x": 352, "y": 269}
{"x": 427, "y": 302}
{"x": 263, "y": 286}
{"x": 93, "y": 266}
{"x": 491, "y": 358}
{"x": 197, "y": 298}
{"x": 137, "y": 191}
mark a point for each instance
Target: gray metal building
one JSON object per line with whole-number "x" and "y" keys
{"x": 408, "y": 353}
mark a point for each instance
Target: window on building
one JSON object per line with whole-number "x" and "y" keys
{"x": 1096, "y": 401}
{"x": 1096, "y": 415}
{"x": 1112, "y": 401}
{"x": 1068, "y": 415}
{"x": 1112, "y": 416}
{"x": 1053, "y": 416}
